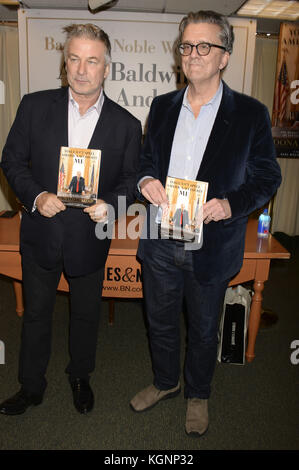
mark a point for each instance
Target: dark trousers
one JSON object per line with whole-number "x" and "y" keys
{"x": 168, "y": 276}
{"x": 39, "y": 287}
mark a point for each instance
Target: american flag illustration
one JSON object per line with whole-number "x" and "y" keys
{"x": 92, "y": 177}
{"x": 196, "y": 209}
{"x": 282, "y": 91}
{"x": 61, "y": 176}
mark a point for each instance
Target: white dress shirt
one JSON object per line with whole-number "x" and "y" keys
{"x": 81, "y": 128}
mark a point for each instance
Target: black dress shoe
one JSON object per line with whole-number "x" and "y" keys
{"x": 19, "y": 403}
{"x": 83, "y": 395}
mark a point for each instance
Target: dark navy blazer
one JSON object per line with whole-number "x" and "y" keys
{"x": 30, "y": 162}
{"x": 239, "y": 164}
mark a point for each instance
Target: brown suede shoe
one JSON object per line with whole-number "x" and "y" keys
{"x": 150, "y": 396}
{"x": 197, "y": 417}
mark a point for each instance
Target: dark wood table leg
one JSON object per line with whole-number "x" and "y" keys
{"x": 19, "y": 297}
{"x": 254, "y": 319}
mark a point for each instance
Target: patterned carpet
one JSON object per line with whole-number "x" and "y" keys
{"x": 254, "y": 406}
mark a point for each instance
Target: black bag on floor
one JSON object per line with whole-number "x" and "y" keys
{"x": 233, "y": 325}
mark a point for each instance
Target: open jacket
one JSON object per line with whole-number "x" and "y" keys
{"x": 239, "y": 163}
{"x": 30, "y": 162}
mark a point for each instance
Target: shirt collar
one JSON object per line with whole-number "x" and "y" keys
{"x": 97, "y": 105}
{"x": 214, "y": 101}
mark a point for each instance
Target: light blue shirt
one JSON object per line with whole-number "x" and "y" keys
{"x": 191, "y": 137}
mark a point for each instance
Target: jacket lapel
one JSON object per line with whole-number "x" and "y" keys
{"x": 219, "y": 131}
{"x": 103, "y": 126}
{"x": 59, "y": 116}
{"x": 57, "y": 120}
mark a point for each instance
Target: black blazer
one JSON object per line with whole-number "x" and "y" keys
{"x": 30, "y": 162}
{"x": 239, "y": 164}
{"x": 177, "y": 218}
{"x": 75, "y": 182}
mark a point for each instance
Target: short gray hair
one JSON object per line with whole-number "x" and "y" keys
{"x": 226, "y": 34}
{"x": 89, "y": 31}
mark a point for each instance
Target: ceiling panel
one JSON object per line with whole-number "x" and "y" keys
{"x": 56, "y": 4}
{"x": 226, "y": 7}
{"x": 141, "y": 5}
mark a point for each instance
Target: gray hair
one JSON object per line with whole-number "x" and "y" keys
{"x": 226, "y": 34}
{"x": 89, "y": 31}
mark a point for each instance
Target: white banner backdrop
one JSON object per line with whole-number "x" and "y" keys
{"x": 144, "y": 63}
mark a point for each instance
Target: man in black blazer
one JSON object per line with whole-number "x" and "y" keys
{"x": 181, "y": 217}
{"x": 205, "y": 132}
{"x": 56, "y": 238}
{"x": 77, "y": 184}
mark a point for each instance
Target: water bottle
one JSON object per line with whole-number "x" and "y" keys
{"x": 264, "y": 224}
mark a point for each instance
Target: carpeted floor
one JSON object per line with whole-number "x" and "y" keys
{"x": 255, "y": 406}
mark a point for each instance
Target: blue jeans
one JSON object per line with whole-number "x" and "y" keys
{"x": 168, "y": 277}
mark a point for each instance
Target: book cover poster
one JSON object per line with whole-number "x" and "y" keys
{"x": 78, "y": 176}
{"x": 181, "y": 219}
{"x": 285, "y": 114}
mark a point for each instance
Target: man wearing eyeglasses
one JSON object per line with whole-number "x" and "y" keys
{"x": 205, "y": 132}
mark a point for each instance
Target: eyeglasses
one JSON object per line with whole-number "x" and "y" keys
{"x": 202, "y": 48}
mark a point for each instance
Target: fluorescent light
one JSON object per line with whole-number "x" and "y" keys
{"x": 9, "y": 3}
{"x": 275, "y": 9}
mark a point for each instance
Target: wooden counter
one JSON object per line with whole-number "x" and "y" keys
{"x": 123, "y": 271}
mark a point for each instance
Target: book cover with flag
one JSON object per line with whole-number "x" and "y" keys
{"x": 78, "y": 176}
{"x": 285, "y": 130}
{"x": 181, "y": 219}
{"x": 282, "y": 91}
{"x": 285, "y": 113}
